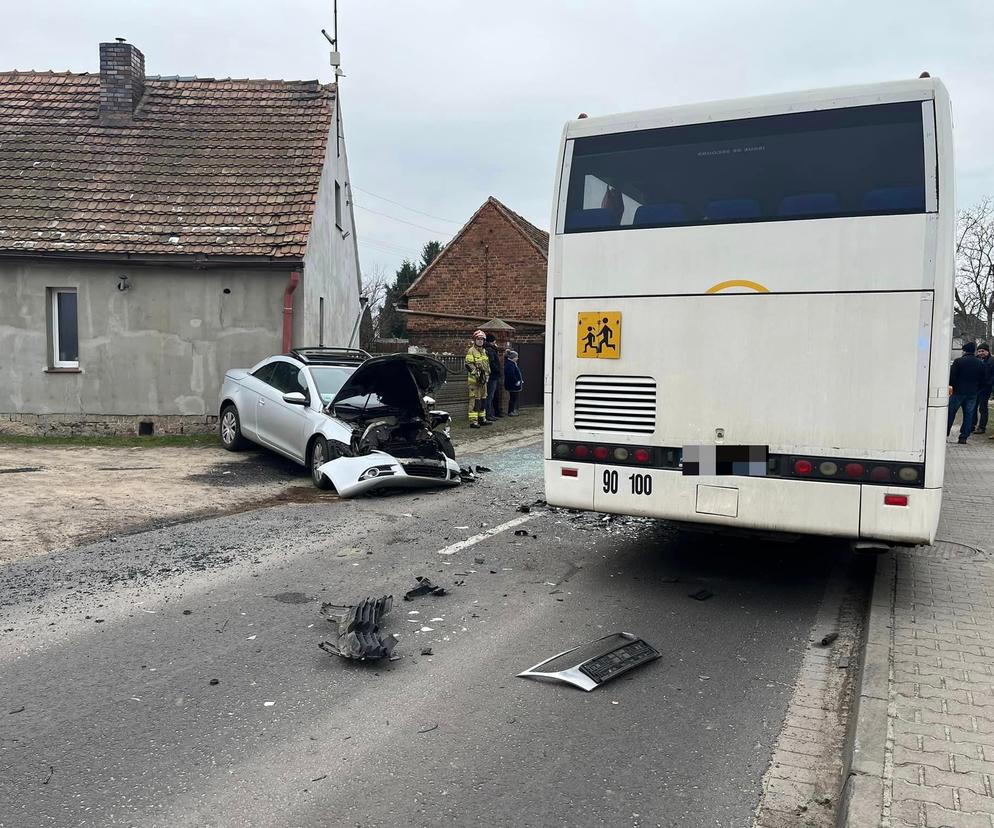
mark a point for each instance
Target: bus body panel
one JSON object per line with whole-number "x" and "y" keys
{"x": 759, "y": 369}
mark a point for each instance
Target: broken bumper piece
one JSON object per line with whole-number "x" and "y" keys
{"x": 359, "y": 629}
{"x": 353, "y": 476}
{"x": 588, "y": 666}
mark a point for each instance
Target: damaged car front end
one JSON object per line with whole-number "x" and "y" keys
{"x": 388, "y": 436}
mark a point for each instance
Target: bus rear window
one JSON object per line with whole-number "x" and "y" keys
{"x": 859, "y": 161}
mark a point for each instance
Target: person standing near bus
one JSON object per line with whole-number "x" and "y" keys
{"x": 477, "y": 376}
{"x": 986, "y": 385}
{"x": 965, "y": 376}
{"x": 513, "y": 381}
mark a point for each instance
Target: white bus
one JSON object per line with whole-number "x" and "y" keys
{"x": 749, "y": 313}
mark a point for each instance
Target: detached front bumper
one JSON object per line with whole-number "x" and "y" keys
{"x": 353, "y": 476}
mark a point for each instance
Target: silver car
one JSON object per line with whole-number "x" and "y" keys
{"x": 356, "y": 422}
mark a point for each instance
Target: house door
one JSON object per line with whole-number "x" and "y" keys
{"x": 531, "y": 360}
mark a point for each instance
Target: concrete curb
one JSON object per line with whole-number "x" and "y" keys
{"x": 502, "y": 441}
{"x": 862, "y": 800}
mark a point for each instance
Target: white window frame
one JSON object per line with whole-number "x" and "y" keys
{"x": 56, "y": 362}
{"x": 338, "y": 206}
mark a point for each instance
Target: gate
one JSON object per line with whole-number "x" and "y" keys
{"x": 531, "y": 360}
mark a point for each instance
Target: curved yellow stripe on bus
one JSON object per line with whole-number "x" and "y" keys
{"x": 741, "y": 283}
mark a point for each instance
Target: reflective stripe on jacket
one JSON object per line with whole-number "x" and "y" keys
{"x": 477, "y": 364}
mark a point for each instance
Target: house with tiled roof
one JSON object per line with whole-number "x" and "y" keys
{"x": 157, "y": 231}
{"x": 494, "y": 267}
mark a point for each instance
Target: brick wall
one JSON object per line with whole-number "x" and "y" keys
{"x": 490, "y": 270}
{"x": 122, "y": 82}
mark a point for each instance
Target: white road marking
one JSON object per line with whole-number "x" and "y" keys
{"x": 496, "y": 530}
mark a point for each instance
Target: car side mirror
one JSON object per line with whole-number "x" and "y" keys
{"x": 295, "y": 398}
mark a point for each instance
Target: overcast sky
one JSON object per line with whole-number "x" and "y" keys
{"x": 447, "y": 102}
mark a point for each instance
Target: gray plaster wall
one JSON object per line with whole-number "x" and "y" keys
{"x": 331, "y": 262}
{"x": 159, "y": 348}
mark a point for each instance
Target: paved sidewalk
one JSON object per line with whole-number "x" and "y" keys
{"x": 924, "y": 739}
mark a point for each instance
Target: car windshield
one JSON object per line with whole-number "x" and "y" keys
{"x": 330, "y": 378}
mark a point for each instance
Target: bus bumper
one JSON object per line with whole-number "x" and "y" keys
{"x": 847, "y": 510}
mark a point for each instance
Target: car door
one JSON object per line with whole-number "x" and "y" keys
{"x": 252, "y": 386}
{"x": 283, "y": 426}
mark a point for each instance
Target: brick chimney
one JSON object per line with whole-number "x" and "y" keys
{"x": 122, "y": 82}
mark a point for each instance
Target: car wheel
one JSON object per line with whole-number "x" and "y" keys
{"x": 319, "y": 456}
{"x": 446, "y": 446}
{"x": 229, "y": 428}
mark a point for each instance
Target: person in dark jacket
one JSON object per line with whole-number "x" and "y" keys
{"x": 986, "y": 385}
{"x": 965, "y": 376}
{"x": 513, "y": 381}
{"x": 493, "y": 398}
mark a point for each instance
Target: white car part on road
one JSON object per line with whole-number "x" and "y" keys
{"x": 353, "y": 476}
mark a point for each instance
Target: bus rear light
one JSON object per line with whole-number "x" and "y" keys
{"x": 854, "y": 469}
{"x": 562, "y": 450}
{"x": 581, "y": 452}
{"x": 828, "y": 468}
{"x": 895, "y": 500}
{"x": 802, "y": 467}
{"x": 570, "y": 473}
{"x": 642, "y": 455}
{"x": 600, "y": 453}
{"x": 908, "y": 474}
{"x": 621, "y": 453}
{"x": 880, "y": 473}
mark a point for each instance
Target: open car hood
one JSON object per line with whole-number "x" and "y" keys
{"x": 399, "y": 380}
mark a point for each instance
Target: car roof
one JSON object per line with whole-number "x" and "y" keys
{"x": 329, "y": 356}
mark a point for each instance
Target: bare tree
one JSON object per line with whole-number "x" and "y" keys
{"x": 375, "y": 283}
{"x": 974, "y": 294}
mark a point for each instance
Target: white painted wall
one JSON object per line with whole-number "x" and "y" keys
{"x": 331, "y": 262}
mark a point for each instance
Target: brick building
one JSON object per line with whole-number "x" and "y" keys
{"x": 494, "y": 267}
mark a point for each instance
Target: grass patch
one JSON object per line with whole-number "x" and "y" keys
{"x": 187, "y": 440}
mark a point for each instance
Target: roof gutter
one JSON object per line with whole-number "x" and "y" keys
{"x": 468, "y": 317}
{"x": 291, "y": 286}
{"x": 196, "y": 261}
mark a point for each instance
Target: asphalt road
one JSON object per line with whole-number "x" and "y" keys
{"x": 108, "y": 716}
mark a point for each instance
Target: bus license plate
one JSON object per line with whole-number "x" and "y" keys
{"x": 626, "y": 482}
{"x": 747, "y": 461}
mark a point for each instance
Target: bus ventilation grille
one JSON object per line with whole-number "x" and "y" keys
{"x": 609, "y": 403}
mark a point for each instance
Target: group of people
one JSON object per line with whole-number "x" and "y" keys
{"x": 971, "y": 379}
{"x": 484, "y": 373}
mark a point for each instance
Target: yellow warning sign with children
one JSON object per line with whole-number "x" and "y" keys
{"x": 598, "y": 334}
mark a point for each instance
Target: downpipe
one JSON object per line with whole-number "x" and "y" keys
{"x": 291, "y": 286}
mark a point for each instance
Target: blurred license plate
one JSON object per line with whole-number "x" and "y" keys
{"x": 747, "y": 461}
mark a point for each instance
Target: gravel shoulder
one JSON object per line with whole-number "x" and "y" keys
{"x": 64, "y": 495}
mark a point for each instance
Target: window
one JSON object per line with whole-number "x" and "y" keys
{"x": 288, "y": 378}
{"x": 329, "y": 379}
{"x": 265, "y": 373}
{"x": 338, "y": 205}
{"x": 321, "y": 322}
{"x": 838, "y": 162}
{"x": 65, "y": 328}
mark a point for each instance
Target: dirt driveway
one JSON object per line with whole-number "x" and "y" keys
{"x": 63, "y": 495}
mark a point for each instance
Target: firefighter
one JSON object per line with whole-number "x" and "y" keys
{"x": 478, "y": 374}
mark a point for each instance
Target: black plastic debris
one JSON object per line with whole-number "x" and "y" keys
{"x": 359, "y": 629}
{"x": 828, "y": 639}
{"x": 466, "y": 474}
{"x": 482, "y": 469}
{"x": 521, "y": 533}
{"x": 424, "y": 587}
{"x": 426, "y": 651}
{"x": 524, "y": 508}
{"x": 590, "y": 665}
{"x": 214, "y": 682}
{"x": 702, "y": 595}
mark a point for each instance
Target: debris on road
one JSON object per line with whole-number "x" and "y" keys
{"x": 521, "y": 533}
{"x": 702, "y": 595}
{"x": 214, "y": 682}
{"x": 828, "y": 639}
{"x": 319, "y": 778}
{"x": 424, "y": 587}
{"x": 359, "y": 629}
{"x": 482, "y": 469}
{"x": 19, "y": 710}
{"x": 479, "y": 559}
{"x": 426, "y": 651}
{"x": 524, "y": 508}
{"x": 428, "y": 728}
{"x": 51, "y": 773}
{"x": 590, "y": 665}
